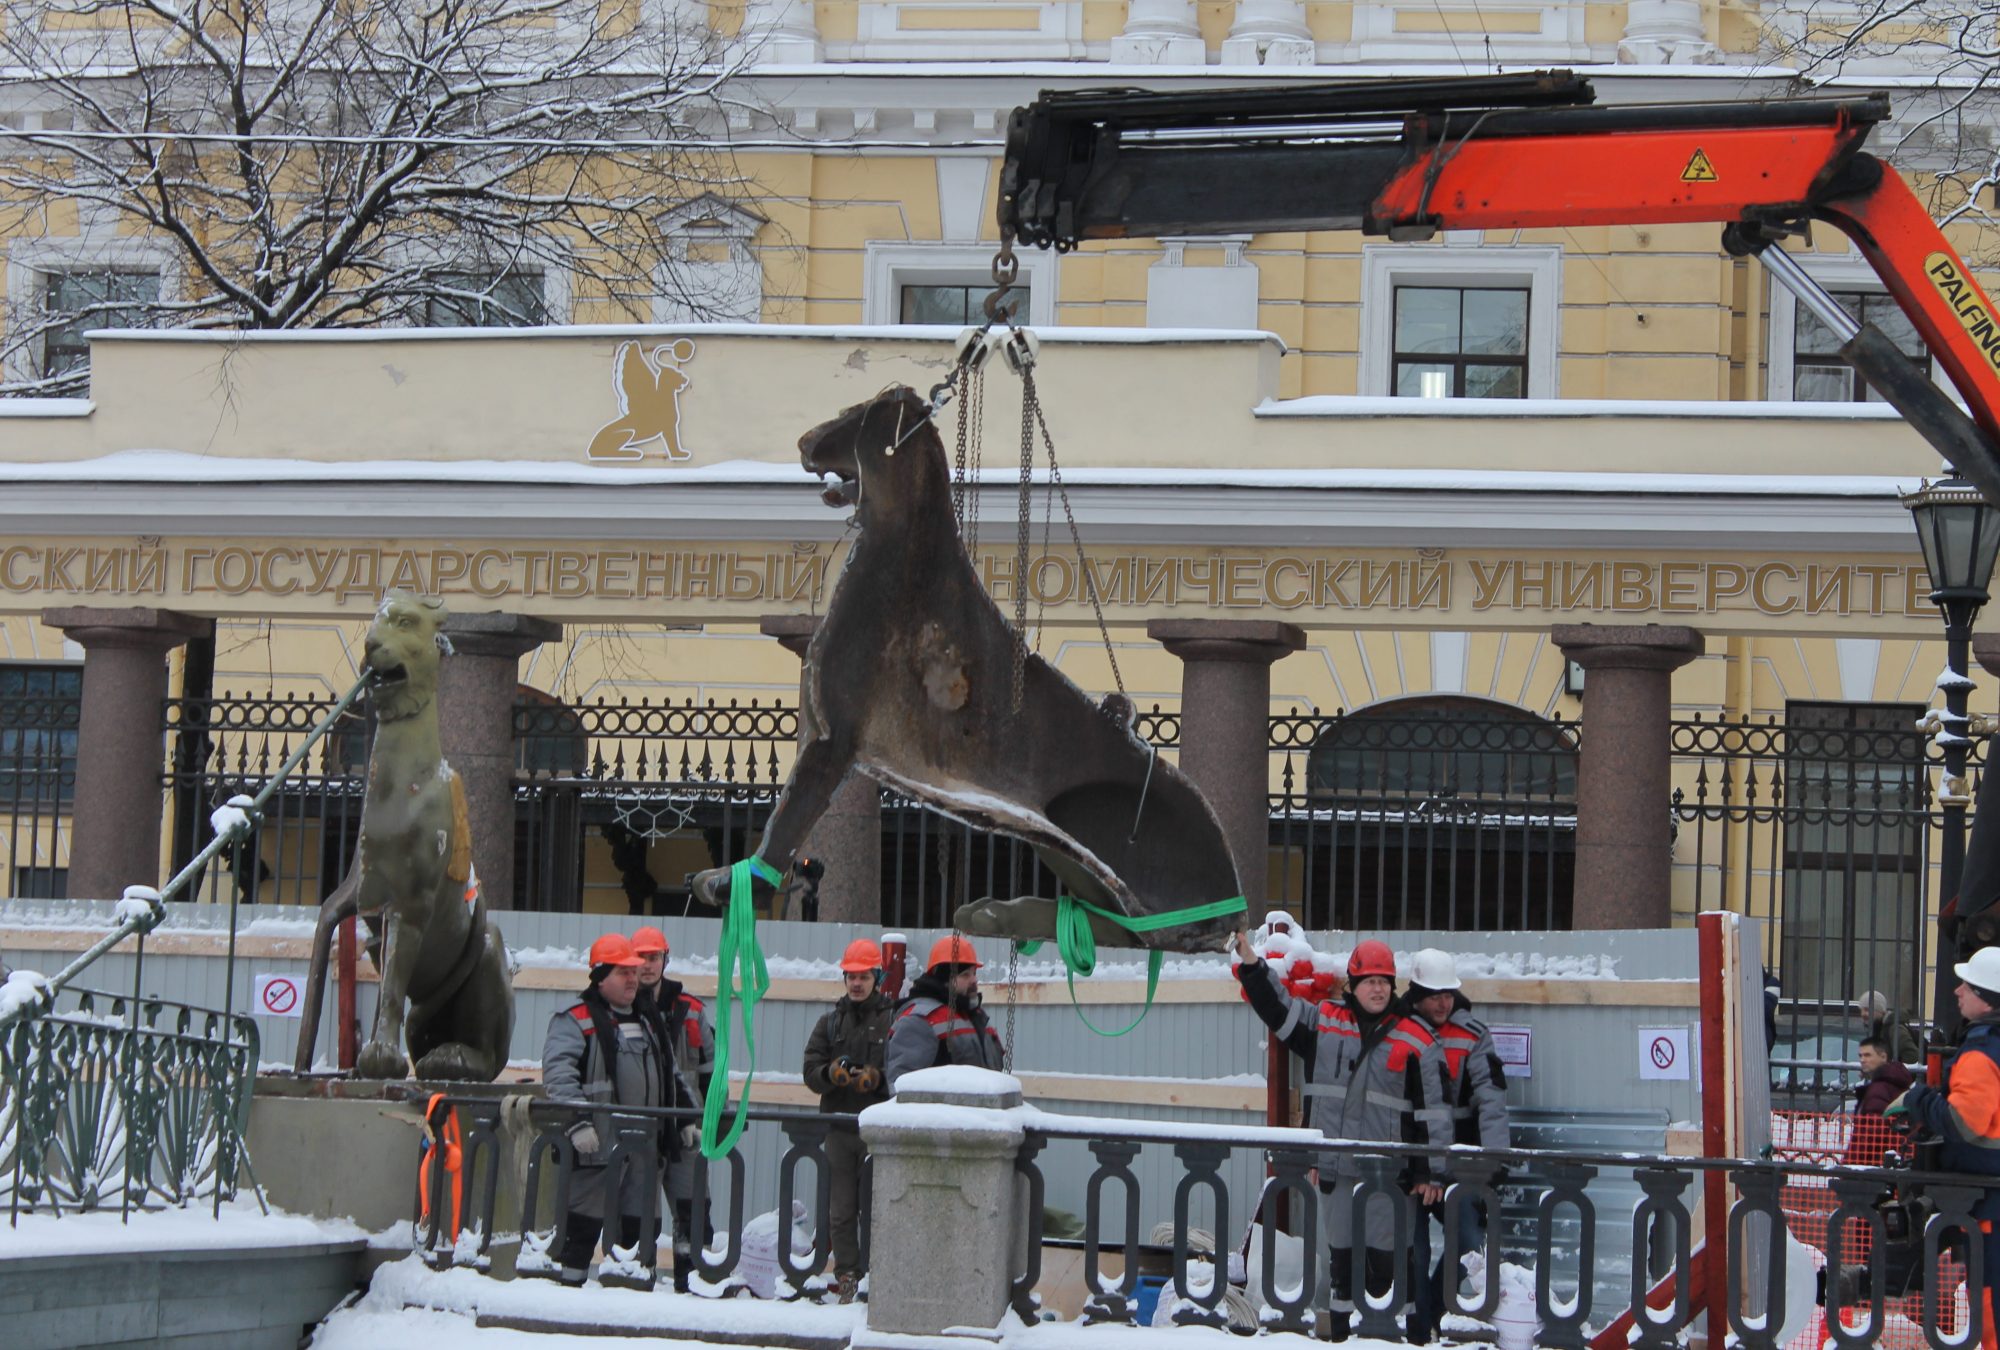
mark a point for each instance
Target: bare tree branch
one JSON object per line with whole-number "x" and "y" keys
{"x": 333, "y": 163}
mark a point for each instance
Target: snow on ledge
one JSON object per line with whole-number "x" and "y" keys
{"x": 241, "y": 1226}
{"x": 830, "y": 332}
{"x": 1350, "y": 405}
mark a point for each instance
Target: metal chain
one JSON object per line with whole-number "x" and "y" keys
{"x": 1031, "y": 410}
{"x": 1013, "y": 983}
{"x": 1024, "y": 525}
{"x": 965, "y": 472}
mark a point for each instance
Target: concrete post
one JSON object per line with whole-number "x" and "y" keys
{"x": 1624, "y": 785}
{"x": 476, "y": 686}
{"x": 848, "y": 838}
{"x": 1225, "y": 726}
{"x": 115, "y": 828}
{"x": 946, "y": 1210}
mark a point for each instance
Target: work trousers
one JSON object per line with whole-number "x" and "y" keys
{"x": 844, "y": 1155}
{"x": 691, "y": 1230}
{"x": 580, "y": 1234}
{"x": 1379, "y": 1268}
{"x": 1433, "y": 1293}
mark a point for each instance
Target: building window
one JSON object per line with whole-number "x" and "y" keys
{"x": 1459, "y": 320}
{"x": 40, "y": 709}
{"x": 1818, "y": 373}
{"x": 1854, "y": 819}
{"x": 83, "y": 299}
{"x": 486, "y": 300}
{"x": 1461, "y": 342}
{"x": 953, "y": 304}
{"x": 948, "y": 284}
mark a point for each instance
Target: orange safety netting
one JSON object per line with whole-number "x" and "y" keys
{"x": 1844, "y": 1139}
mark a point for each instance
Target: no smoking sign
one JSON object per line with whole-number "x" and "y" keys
{"x": 1663, "y": 1052}
{"x": 279, "y": 996}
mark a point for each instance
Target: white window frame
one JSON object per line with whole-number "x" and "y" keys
{"x": 1835, "y": 272}
{"x": 1384, "y": 267}
{"x": 711, "y": 219}
{"x": 31, "y": 261}
{"x": 887, "y": 267}
{"x": 556, "y": 273}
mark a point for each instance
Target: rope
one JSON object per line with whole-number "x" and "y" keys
{"x": 1078, "y": 945}
{"x": 749, "y": 983}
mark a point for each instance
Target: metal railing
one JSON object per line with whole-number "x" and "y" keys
{"x": 1618, "y": 1247}
{"x": 37, "y": 790}
{"x": 123, "y": 1103}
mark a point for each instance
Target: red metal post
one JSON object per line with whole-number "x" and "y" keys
{"x": 895, "y": 952}
{"x": 1714, "y": 1122}
{"x": 350, "y": 1020}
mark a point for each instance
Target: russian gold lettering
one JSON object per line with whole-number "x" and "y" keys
{"x": 1877, "y": 576}
{"x": 1332, "y": 584}
{"x": 1486, "y": 589}
{"x": 1917, "y": 592}
{"x": 447, "y": 568}
{"x": 805, "y": 574}
{"x": 12, "y": 558}
{"x": 656, "y": 575}
{"x": 408, "y": 573}
{"x": 537, "y": 561}
{"x": 104, "y": 570}
{"x": 1760, "y": 588}
{"x": 362, "y": 577}
{"x": 1679, "y": 584}
{"x": 1828, "y": 588}
{"x": 698, "y": 575}
{"x": 1045, "y": 592}
{"x": 1534, "y": 584}
{"x": 267, "y": 571}
{"x": 1380, "y": 583}
{"x": 1157, "y": 582}
{"x": 191, "y": 564}
{"x": 148, "y": 570}
{"x": 1430, "y": 585}
{"x": 1281, "y": 567}
{"x": 1726, "y": 581}
{"x": 998, "y": 574}
{"x": 1200, "y": 575}
{"x": 570, "y": 574}
{"x": 1114, "y": 580}
{"x": 1632, "y": 587}
{"x": 1582, "y": 586}
{"x": 740, "y": 581}
{"x": 485, "y": 558}
{"x": 322, "y": 562}
{"x": 235, "y": 570}
{"x": 614, "y": 575}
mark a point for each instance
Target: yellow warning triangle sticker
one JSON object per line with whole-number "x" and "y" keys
{"x": 1699, "y": 169}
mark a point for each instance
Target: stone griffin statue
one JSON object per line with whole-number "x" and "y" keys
{"x": 909, "y": 680}
{"x": 446, "y": 979}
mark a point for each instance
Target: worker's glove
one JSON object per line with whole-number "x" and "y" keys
{"x": 1899, "y": 1107}
{"x": 584, "y": 1137}
{"x": 843, "y": 1071}
{"x": 867, "y": 1079}
{"x": 690, "y": 1137}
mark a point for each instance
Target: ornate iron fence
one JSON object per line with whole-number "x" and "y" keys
{"x": 116, "y": 1102}
{"x": 1453, "y": 815}
{"x": 1824, "y": 825}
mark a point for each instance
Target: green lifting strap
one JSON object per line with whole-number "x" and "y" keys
{"x": 738, "y": 948}
{"x": 1078, "y": 945}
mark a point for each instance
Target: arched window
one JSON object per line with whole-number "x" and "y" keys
{"x": 1440, "y": 812}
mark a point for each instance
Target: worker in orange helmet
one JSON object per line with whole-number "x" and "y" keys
{"x": 844, "y": 1066}
{"x": 941, "y": 1021}
{"x": 1964, "y": 1112}
{"x": 604, "y": 1052}
{"x": 683, "y": 1022}
{"x": 1375, "y": 1073}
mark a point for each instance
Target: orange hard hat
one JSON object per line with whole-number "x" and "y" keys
{"x": 861, "y": 954}
{"x": 1372, "y": 957}
{"x": 613, "y": 949}
{"x": 952, "y": 951}
{"x": 649, "y": 940}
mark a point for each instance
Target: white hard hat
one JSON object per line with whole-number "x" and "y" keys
{"x": 1433, "y": 969}
{"x": 1982, "y": 971}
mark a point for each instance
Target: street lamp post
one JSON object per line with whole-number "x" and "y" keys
{"x": 1960, "y": 532}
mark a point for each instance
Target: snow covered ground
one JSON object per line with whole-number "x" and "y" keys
{"x": 240, "y": 1225}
